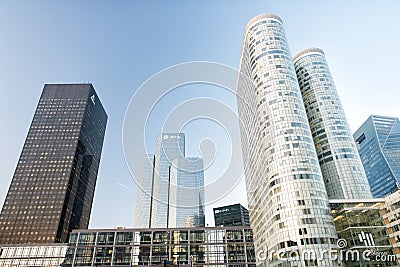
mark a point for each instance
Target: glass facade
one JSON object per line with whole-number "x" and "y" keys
{"x": 144, "y": 198}
{"x": 361, "y": 224}
{"x": 186, "y": 199}
{"x": 228, "y": 246}
{"x": 171, "y": 186}
{"x": 341, "y": 167}
{"x": 52, "y": 190}
{"x": 50, "y": 255}
{"x": 232, "y": 215}
{"x": 285, "y": 188}
{"x": 169, "y": 147}
{"x": 378, "y": 141}
{"x": 391, "y": 216}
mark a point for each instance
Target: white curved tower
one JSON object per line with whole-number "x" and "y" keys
{"x": 288, "y": 203}
{"x": 341, "y": 167}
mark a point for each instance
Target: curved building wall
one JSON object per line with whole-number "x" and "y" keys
{"x": 288, "y": 203}
{"x": 341, "y": 167}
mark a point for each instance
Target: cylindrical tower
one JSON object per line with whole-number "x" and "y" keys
{"x": 288, "y": 203}
{"x": 341, "y": 167}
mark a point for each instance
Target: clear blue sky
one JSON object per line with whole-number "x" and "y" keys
{"x": 117, "y": 45}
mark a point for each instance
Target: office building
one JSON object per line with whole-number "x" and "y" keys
{"x": 43, "y": 255}
{"x": 363, "y": 225}
{"x": 211, "y": 246}
{"x": 364, "y": 237}
{"x": 288, "y": 203}
{"x": 168, "y": 148}
{"x": 340, "y": 163}
{"x": 186, "y": 199}
{"x": 144, "y": 197}
{"x": 171, "y": 186}
{"x": 378, "y": 141}
{"x": 232, "y": 215}
{"x": 52, "y": 190}
{"x": 391, "y": 217}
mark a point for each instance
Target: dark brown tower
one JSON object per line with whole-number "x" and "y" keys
{"x": 52, "y": 190}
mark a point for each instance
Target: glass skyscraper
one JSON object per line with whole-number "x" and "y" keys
{"x": 340, "y": 163}
{"x": 169, "y": 147}
{"x": 288, "y": 202}
{"x": 378, "y": 141}
{"x": 52, "y": 190}
{"x": 171, "y": 187}
{"x": 187, "y": 193}
{"x": 144, "y": 198}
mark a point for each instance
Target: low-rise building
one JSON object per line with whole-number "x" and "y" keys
{"x": 363, "y": 236}
{"x": 197, "y": 246}
{"x": 391, "y": 216}
{"x": 48, "y": 255}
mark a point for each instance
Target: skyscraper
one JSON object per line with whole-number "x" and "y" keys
{"x": 378, "y": 141}
{"x": 341, "y": 167}
{"x": 144, "y": 198}
{"x": 186, "y": 201}
{"x": 52, "y": 190}
{"x": 171, "y": 187}
{"x": 168, "y": 148}
{"x": 288, "y": 203}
